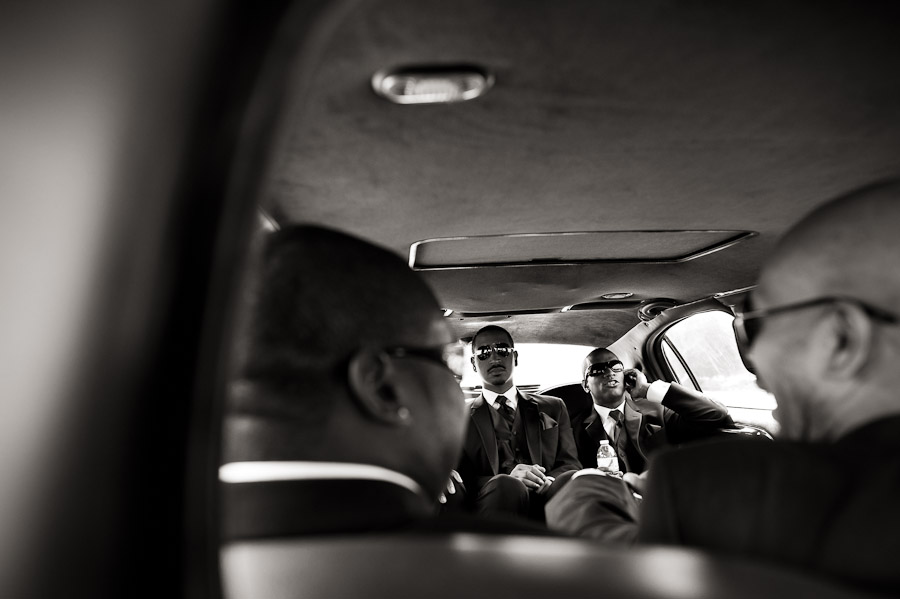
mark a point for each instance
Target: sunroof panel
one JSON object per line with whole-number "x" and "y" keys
{"x": 569, "y": 248}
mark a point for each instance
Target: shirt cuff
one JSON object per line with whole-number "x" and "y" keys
{"x": 588, "y": 471}
{"x": 657, "y": 391}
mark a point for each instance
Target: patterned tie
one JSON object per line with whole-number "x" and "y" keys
{"x": 505, "y": 409}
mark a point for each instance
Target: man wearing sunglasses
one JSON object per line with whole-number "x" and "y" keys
{"x": 519, "y": 448}
{"x": 638, "y": 418}
{"x": 822, "y": 333}
{"x": 338, "y": 421}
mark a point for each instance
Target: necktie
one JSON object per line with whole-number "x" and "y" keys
{"x": 505, "y": 409}
{"x": 617, "y": 416}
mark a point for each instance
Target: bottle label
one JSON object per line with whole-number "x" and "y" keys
{"x": 607, "y": 459}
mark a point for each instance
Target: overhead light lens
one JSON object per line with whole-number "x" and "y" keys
{"x": 266, "y": 222}
{"x": 616, "y": 296}
{"x": 432, "y": 85}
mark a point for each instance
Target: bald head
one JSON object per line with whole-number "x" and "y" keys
{"x": 848, "y": 246}
{"x": 832, "y": 363}
{"x": 319, "y": 297}
{"x": 322, "y": 295}
{"x": 343, "y": 362}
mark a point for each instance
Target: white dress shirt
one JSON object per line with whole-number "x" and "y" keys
{"x": 656, "y": 392}
{"x": 511, "y": 394}
{"x": 255, "y": 472}
{"x": 609, "y": 425}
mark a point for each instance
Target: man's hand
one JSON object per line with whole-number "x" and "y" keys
{"x": 451, "y": 488}
{"x": 531, "y": 475}
{"x": 636, "y": 481}
{"x": 546, "y": 486}
{"x": 639, "y": 390}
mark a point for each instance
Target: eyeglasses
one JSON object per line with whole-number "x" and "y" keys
{"x": 601, "y": 368}
{"x": 748, "y": 324}
{"x": 484, "y": 352}
{"x": 450, "y": 355}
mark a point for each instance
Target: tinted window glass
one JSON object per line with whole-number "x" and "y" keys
{"x": 540, "y": 365}
{"x": 677, "y": 367}
{"x": 706, "y": 342}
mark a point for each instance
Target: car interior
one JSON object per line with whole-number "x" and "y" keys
{"x": 584, "y": 173}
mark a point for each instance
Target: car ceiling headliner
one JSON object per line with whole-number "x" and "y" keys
{"x": 605, "y": 116}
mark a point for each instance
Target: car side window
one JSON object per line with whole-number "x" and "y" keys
{"x": 701, "y": 352}
{"x": 676, "y": 364}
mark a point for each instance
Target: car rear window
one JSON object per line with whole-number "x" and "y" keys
{"x": 540, "y": 365}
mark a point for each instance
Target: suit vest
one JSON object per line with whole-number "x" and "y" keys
{"x": 512, "y": 447}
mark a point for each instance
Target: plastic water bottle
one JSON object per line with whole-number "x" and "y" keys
{"x": 606, "y": 458}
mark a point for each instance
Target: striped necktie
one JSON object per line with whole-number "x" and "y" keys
{"x": 505, "y": 409}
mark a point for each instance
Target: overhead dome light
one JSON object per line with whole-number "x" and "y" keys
{"x": 653, "y": 308}
{"x": 616, "y": 296}
{"x": 432, "y": 85}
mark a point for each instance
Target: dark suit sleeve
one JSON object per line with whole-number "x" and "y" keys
{"x": 467, "y": 467}
{"x": 757, "y": 498}
{"x": 659, "y": 522}
{"x": 595, "y": 507}
{"x": 690, "y": 415}
{"x": 472, "y": 478}
{"x": 566, "y": 453}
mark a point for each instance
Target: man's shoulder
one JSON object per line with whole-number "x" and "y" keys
{"x": 742, "y": 455}
{"x": 543, "y": 401}
{"x": 645, "y": 406}
{"x": 475, "y": 402}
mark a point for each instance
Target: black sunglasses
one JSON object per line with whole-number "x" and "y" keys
{"x": 747, "y": 324}
{"x": 484, "y": 352}
{"x": 451, "y": 355}
{"x": 601, "y": 368}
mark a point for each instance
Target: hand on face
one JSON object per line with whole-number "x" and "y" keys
{"x": 639, "y": 389}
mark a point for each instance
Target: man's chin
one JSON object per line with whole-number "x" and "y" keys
{"x": 612, "y": 397}
{"x": 497, "y": 379}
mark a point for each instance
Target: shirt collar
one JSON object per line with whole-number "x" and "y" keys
{"x": 604, "y": 412}
{"x": 512, "y": 394}
{"x": 254, "y": 472}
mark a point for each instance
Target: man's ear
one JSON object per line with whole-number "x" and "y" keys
{"x": 584, "y": 386}
{"x": 853, "y": 336}
{"x": 373, "y": 383}
{"x": 515, "y": 358}
{"x": 472, "y": 359}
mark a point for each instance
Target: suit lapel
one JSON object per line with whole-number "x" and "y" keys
{"x": 593, "y": 426}
{"x": 530, "y": 415}
{"x": 633, "y": 418}
{"x": 485, "y": 427}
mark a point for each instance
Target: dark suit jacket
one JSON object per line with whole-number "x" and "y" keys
{"x": 292, "y": 508}
{"x": 548, "y": 433}
{"x": 683, "y": 416}
{"x": 301, "y": 507}
{"x": 830, "y": 509}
